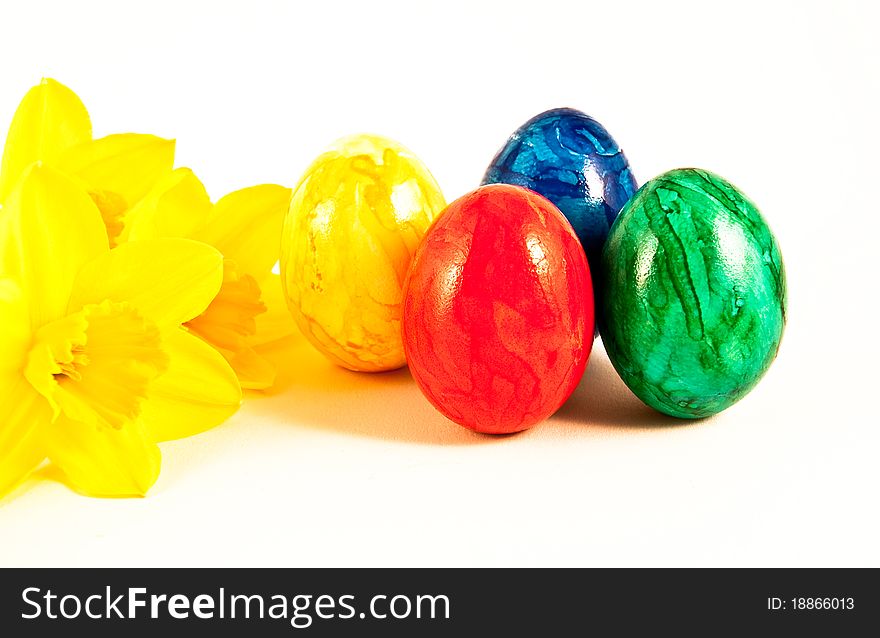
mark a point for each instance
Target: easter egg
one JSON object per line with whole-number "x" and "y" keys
{"x": 355, "y": 220}
{"x": 498, "y": 310}
{"x": 569, "y": 158}
{"x": 694, "y": 294}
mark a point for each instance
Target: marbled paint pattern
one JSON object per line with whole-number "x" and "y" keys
{"x": 569, "y": 158}
{"x": 354, "y": 223}
{"x": 498, "y": 313}
{"x": 694, "y": 296}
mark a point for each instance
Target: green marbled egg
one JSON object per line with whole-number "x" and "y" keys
{"x": 693, "y": 294}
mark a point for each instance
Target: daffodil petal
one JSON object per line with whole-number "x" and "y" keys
{"x": 22, "y": 409}
{"x": 15, "y": 330}
{"x": 253, "y": 371}
{"x": 276, "y": 323}
{"x": 104, "y": 461}
{"x": 197, "y": 392}
{"x": 246, "y": 227}
{"x": 128, "y": 164}
{"x": 176, "y": 206}
{"x": 49, "y": 119}
{"x": 169, "y": 281}
{"x": 50, "y": 229}
{"x": 22, "y": 413}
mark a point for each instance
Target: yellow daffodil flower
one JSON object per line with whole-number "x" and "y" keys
{"x": 51, "y": 125}
{"x": 96, "y": 368}
{"x": 130, "y": 179}
{"x": 245, "y": 226}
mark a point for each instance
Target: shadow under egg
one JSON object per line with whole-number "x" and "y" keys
{"x": 313, "y": 392}
{"x": 603, "y": 400}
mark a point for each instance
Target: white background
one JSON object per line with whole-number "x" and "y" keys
{"x": 344, "y": 469}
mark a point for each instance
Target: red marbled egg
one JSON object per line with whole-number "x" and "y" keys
{"x": 498, "y": 310}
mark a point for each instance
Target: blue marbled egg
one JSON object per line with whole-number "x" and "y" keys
{"x": 569, "y": 158}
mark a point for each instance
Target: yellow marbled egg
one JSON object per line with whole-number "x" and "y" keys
{"x": 355, "y": 220}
